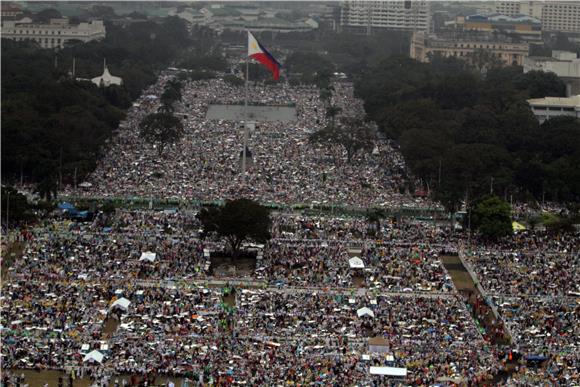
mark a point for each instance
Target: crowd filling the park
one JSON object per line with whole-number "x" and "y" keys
{"x": 286, "y": 167}
{"x": 330, "y": 299}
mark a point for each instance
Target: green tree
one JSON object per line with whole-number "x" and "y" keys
{"x": 237, "y": 221}
{"x": 312, "y": 67}
{"x": 331, "y": 112}
{"x": 161, "y": 129}
{"x": 15, "y": 206}
{"x": 492, "y": 217}
{"x": 540, "y": 84}
{"x": 233, "y": 80}
{"x": 45, "y": 15}
{"x": 484, "y": 60}
{"x": 47, "y": 188}
{"x": 171, "y": 94}
{"x": 352, "y": 134}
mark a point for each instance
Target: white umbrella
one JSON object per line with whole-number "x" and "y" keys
{"x": 148, "y": 256}
{"x": 356, "y": 263}
{"x": 365, "y": 312}
{"x": 122, "y": 303}
{"x": 95, "y": 356}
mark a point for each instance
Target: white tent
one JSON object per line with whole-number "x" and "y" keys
{"x": 365, "y": 312}
{"x": 389, "y": 371}
{"x": 94, "y": 356}
{"x": 122, "y": 303}
{"x": 148, "y": 256}
{"x": 356, "y": 263}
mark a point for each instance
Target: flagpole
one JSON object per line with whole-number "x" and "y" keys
{"x": 245, "y": 121}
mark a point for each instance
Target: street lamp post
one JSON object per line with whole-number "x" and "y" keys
{"x": 7, "y": 210}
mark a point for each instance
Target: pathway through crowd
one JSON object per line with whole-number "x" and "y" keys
{"x": 467, "y": 288}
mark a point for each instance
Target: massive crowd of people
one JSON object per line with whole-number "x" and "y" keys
{"x": 57, "y": 303}
{"x": 328, "y": 296}
{"x": 286, "y": 167}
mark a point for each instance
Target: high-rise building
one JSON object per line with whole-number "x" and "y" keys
{"x": 563, "y": 16}
{"x": 408, "y": 15}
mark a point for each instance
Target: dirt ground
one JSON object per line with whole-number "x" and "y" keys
{"x": 226, "y": 267}
{"x": 458, "y": 273}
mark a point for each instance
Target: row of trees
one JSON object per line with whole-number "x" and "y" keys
{"x": 163, "y": 128}
{"x": 351, "y": 134}
{"x": 54, "y": 127}
{"x": 466, "y": 135}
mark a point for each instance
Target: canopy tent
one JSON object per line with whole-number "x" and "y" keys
{"x": 66, "y": 206}
{"x": 389, "y": 371}
{"x": 356, "y": 263}
{"x": 365, "y": 312}
{"x": 378, "y": 345}
{"x": 94, "y": 356}
{"x": 121, "y": 303}
{"x": 538, "y": 358}
{"x": 148, "y": 256}
{"x": 518, "y": 226}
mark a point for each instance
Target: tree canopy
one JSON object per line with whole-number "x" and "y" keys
{"x": 237, "y": 221}
{"x": 48, "y": 118}
{"x": 352, "y": 134}
{"x": 449, "y": 117}
{"x": 492, "y": 217}
{"x": 161, "y": 129}
{"x": 15, "y": 206}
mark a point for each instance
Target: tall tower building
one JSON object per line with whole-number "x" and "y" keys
{"x": 407, "y": 15}
{"x": 561, "y": 16}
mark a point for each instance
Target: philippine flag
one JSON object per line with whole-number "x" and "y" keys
{"x": 259, "y": 53}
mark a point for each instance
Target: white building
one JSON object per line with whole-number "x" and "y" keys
{"x": 425, "y": 46}
{"x": 562, "y": 63}
{"x": 409, "y": 15}
{"x": 549, "y": 107}
{"x": 53, "y": 34}
{"x": 561, "y": 16}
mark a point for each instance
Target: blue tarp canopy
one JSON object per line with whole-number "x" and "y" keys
{"x": 536, "y": 358}
{"x": 66, "y": 206}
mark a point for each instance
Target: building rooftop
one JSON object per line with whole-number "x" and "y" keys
{"x": 497, "y": 17}
{"x": 573, "y": 101}
{"x": 224, "y": 12}
{"x": 472, "y": 36}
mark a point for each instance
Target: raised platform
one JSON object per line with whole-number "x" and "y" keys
{"x": 255, "y": 113}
